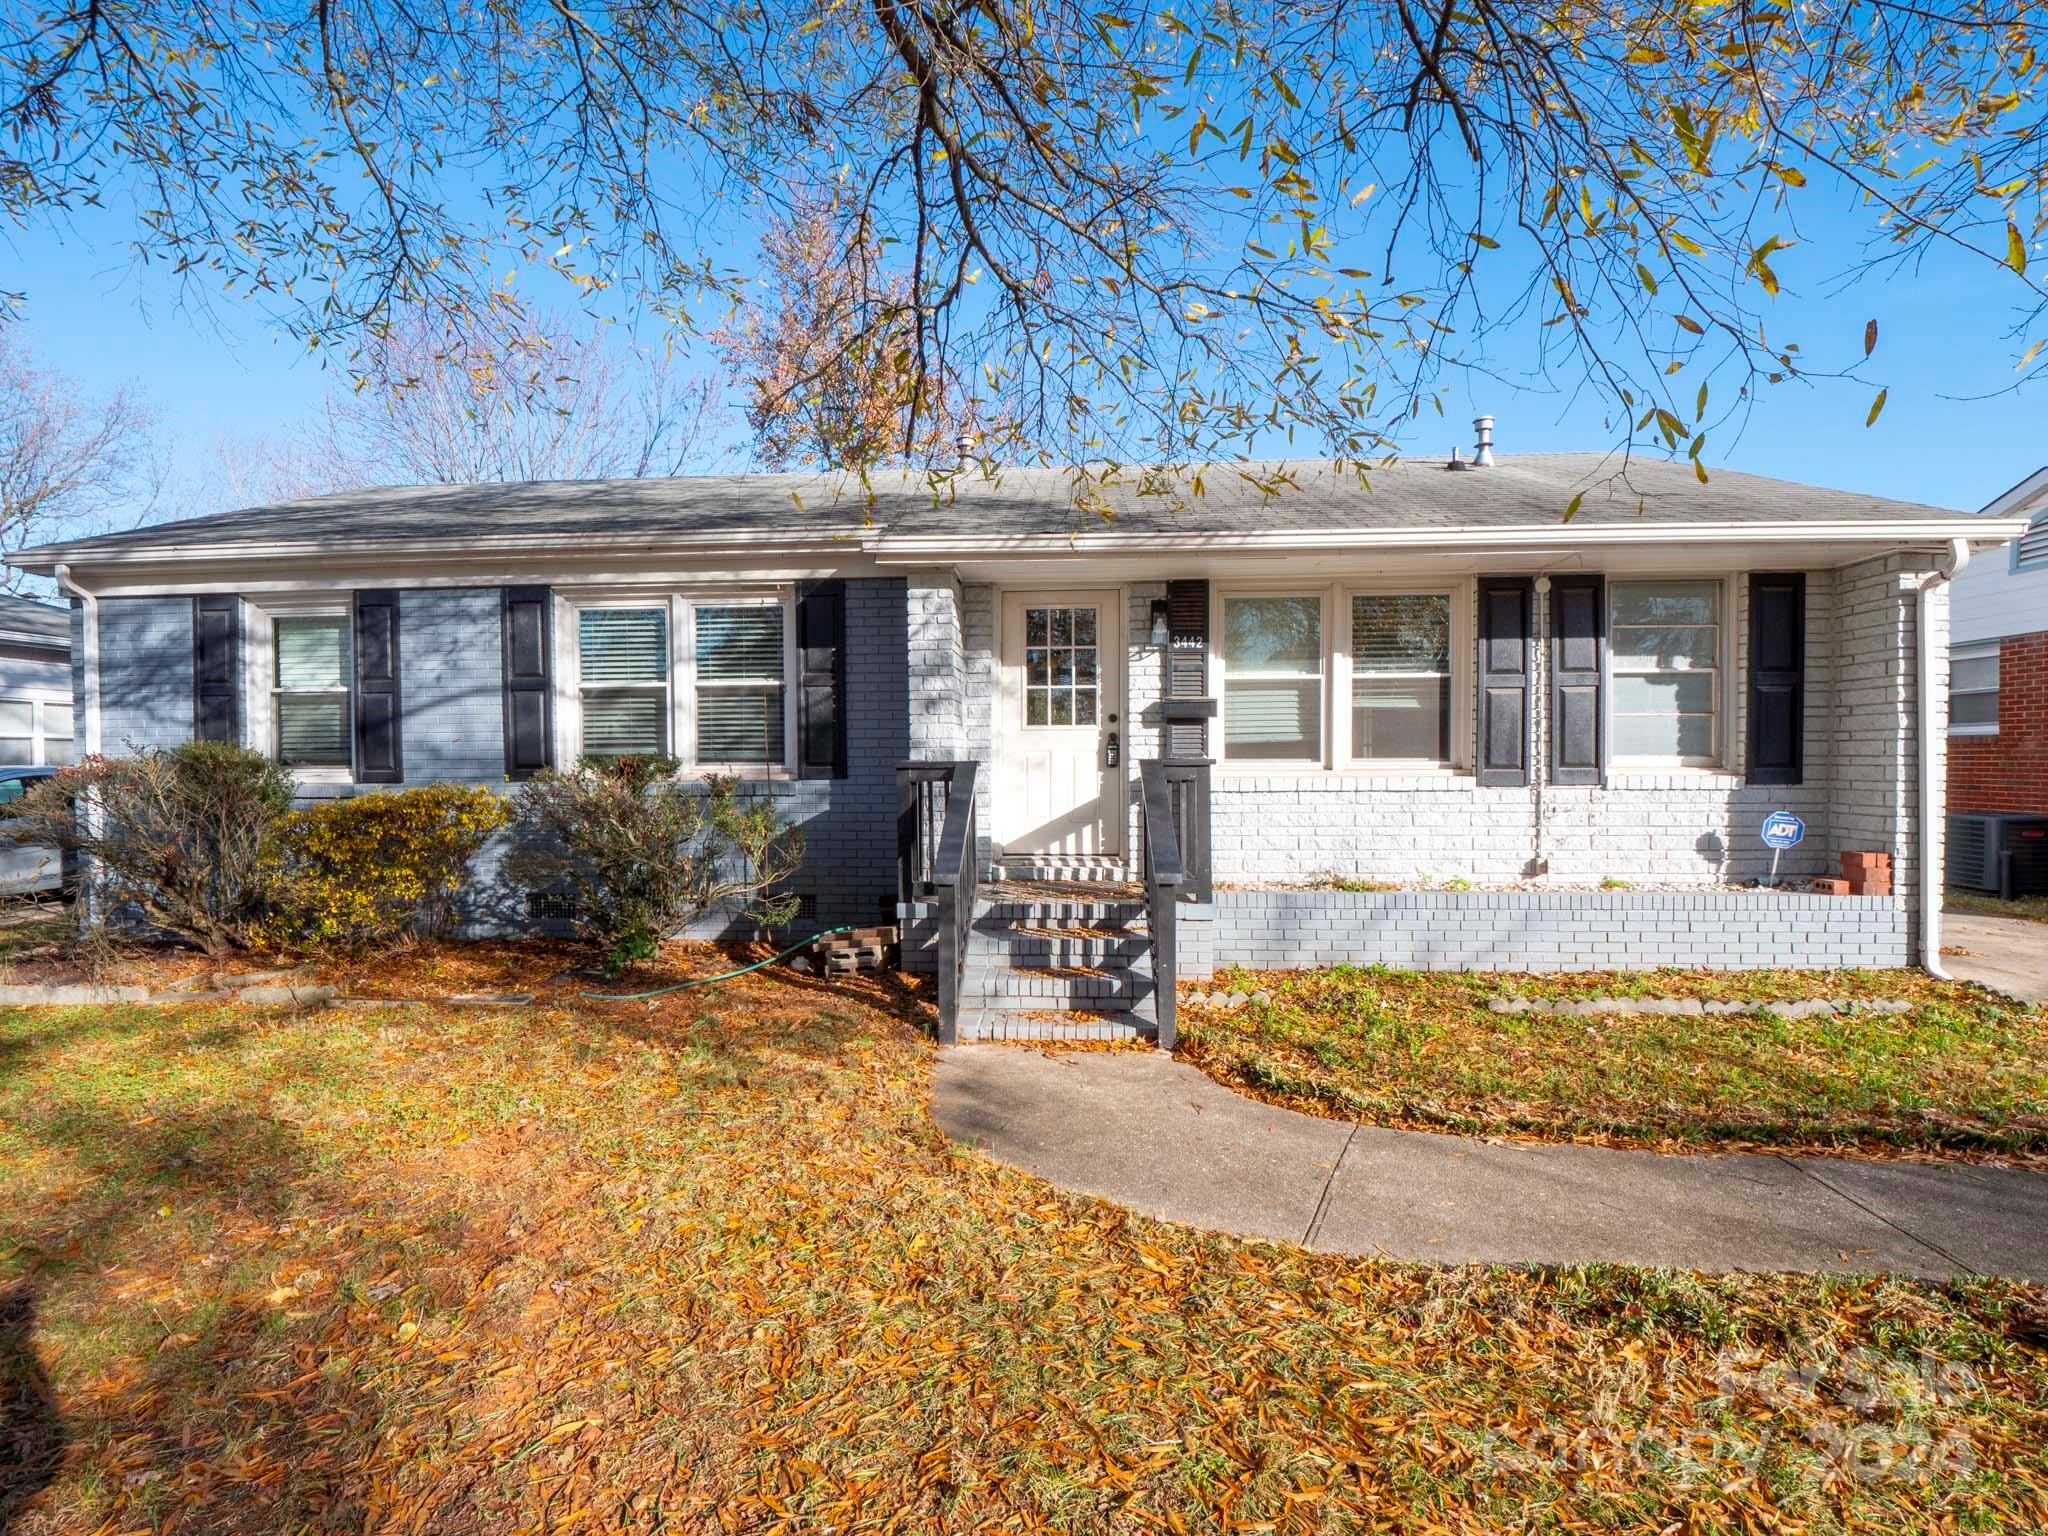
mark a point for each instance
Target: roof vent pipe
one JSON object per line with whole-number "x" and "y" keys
{"x": 1482, "y": 454}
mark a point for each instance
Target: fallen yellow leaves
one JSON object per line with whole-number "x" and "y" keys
{"x": 748, "y": 1287}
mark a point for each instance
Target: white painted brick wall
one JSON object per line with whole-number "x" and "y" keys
{"x": 1688, "y": 828}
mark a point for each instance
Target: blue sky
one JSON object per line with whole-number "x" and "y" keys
{"x": 225, "y": 370}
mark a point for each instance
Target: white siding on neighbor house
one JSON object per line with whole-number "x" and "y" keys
{"x": 1992, "y": 600}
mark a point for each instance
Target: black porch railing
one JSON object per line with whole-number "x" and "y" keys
{"x": 935, "y": 866}
{"x": 1175, "y": 795}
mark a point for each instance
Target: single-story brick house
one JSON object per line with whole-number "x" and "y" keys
{"x": 1495, "y": 686}
{"x": 1998, "y": 666}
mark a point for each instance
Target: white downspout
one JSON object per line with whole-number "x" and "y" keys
{"x": 88, "y": 673}
{"x": 89, "y": 657}
{"x": 1932, "y": 829}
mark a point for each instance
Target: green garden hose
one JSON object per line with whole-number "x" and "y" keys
{"x": 705, "y": 981}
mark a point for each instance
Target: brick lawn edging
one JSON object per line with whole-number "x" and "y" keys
{"x": 1543, "y": 931}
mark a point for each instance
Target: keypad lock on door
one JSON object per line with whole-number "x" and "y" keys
{"x": 1112, "y": 755}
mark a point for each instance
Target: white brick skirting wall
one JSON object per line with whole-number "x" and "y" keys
{"x": 1542, "y": 931}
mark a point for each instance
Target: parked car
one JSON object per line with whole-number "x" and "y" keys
{"x": 26, "y": 868}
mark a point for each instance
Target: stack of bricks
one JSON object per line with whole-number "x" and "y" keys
{"x": 1868, "y": 874}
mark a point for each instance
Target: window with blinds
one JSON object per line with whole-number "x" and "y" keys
{"x": 1664, "y": 639}
{"x": 1401, "y": 676}
{"x": 1973, "y": 690}
{"x": 622, "y": 662}
{"x": 1273, "y": 679}
{"x": 740, "y": 691}
{"x": 310, "y": 690}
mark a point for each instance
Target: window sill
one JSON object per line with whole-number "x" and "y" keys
{"x": 1973, "y": 730}
{"x": 1437, "y": 773}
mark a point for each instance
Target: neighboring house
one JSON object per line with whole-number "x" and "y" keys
{"x": 35, "y": 683}
{"x": 1438, "y": 679}
{"x": 1998, "y": 665}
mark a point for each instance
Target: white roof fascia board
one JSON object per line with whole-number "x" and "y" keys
{"x": 408, "y": 551}
{"x": 919, "y": 551}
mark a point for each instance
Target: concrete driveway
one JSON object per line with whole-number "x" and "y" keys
{"x": 2008, "y": 953}
{"x": 1160, "y": 1137}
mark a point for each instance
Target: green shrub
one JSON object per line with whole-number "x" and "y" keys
{"x": 643, "y": 852}
{"x": 382, "y": 866}
{"x": 188, "y": 836}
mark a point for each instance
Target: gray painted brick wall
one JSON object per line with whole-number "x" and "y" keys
{"x": 849, "y": 824}
{"x": 451, "y": 657}
{"x": 145, "y": 673}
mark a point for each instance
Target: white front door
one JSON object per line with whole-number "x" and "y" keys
{"x": 1061, "y": 721}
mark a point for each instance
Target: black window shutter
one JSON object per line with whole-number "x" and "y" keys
{"x": 1777, "y": 678}
{"x": 529, "y": 681}
{"x": 1504, "y": 631}
{"x": 380, "y": 752}
{"x": 1187, "y": 663}
{"x": 821, "y": 680}
{"x": 1578, "y": 675}
{"x": 217, "y": 668}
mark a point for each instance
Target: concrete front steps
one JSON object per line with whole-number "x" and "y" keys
{"x": 1058, "y": 960}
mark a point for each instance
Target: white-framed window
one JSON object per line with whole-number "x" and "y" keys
{"x": 1973, "y": 690}
{"x": 35, "y": 733}
{"x": 1274, "y": 664}
{"x": 311, "y": 669}
{"x": 1664, "y": 641}
{"x": 704, "y": 677}
{"x": 1400, "y": 647}
{"x": 739, "y": 683}
{"x": 622, "y": 661}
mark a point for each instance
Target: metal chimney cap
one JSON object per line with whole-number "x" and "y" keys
{"x": 1482, "y": 453}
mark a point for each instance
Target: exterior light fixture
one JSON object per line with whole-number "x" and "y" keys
{"x": 1160, "y": 633}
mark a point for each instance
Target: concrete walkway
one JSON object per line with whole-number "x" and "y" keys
{"x": 1160, "y": 1137}
{"x": 2008, "y": 953}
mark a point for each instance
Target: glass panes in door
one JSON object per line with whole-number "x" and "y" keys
{"x": 1062, "y": 667}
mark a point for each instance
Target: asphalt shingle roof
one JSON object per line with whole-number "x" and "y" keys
{"x": 25, "y": 616}
{"x": 1525, "y": 489}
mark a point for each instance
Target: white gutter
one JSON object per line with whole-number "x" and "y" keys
{"x": 908, "y": 549}
{"x": 89, "y": 656}
{"x": 1932, "y": 829}
{"x": 1095, "y": 539}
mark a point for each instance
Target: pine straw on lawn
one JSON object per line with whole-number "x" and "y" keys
{"x": 1962, "y": 1076}
{"x": 707, "y": 1265}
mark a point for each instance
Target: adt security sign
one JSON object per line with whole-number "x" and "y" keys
{"x": 1783, "y": 830}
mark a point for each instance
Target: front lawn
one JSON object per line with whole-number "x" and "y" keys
{"x": 707, "y": 1265}
{"x": 1963, "y": 1073}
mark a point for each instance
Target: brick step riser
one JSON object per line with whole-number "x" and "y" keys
{"x": 1054, "y": 1030}
{"x": 1061, "y": 874}
{"x": 1026, "y": 992}
{"x": 1111, "y": 1005}
{"x": 1094, "y": 914}
{"x": 1035, "y": 952}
